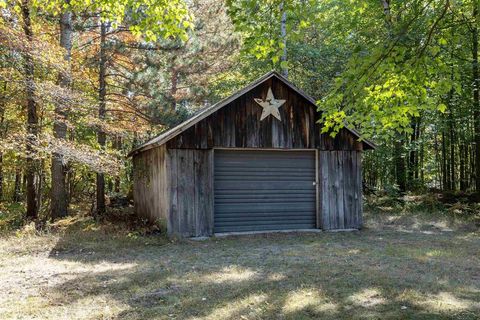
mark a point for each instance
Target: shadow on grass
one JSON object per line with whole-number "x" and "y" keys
{"x": 368, "y": 274}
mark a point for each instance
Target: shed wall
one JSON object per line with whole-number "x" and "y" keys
{"x": 175, "y": 186}
{"x": 340, "y": 189}
{"x": 191, "y": 197}
{"x": 151, "y": 184}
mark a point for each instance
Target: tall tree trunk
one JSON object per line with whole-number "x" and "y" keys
{"x": 32, "y": 117}
{"x": 59, "y": 201}
{"x": 445, "y": 163}
{"x": 400, "y": 170}
{"x": 283, "y": 31}
{"x": 1, "y": 177}
{"x": 412, "y": 155}
{"x": 452, "y": 153}
{"x": 101, "y": 136}
{"x": 421, "y": 159}
{"x": 437, "y": 158}
{"x": 70, "y": 173}
{"x": 173, "y": 88}
{"x": 17, "y": 186}
{"x": 118, "y": 146}
{"x": 3, "y": 132}
{"x": 476, "y": 93}
{"x": 461, "y": 153}
{"x": 417, "y": 153}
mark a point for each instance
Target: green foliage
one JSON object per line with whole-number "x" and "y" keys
{"x": 384, "y": 86}
{"x": 259, "y": 24}
{"x": 150, "y": 18}
{"x": 11, "y": 216}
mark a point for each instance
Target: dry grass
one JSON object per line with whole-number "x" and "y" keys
{"x": 85, "y": 271}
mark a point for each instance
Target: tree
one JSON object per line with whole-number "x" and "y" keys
{"x": 32, "y": 117}
{"x": 59, "y": 198}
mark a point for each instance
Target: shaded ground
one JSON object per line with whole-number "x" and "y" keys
{"x": 394, "y": 270}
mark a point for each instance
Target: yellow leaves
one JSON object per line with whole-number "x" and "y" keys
{"x": 150, "y": 36}
{"x": 304, "y": 24}
{"x": 442, "y": 108}
{"x": 187, "y": 24}
{"x": 3, "y": 4}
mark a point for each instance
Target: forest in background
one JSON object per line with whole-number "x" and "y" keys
{"x": 83, "y": 82}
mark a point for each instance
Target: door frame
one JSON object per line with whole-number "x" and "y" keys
{"x": 317, "y": 190}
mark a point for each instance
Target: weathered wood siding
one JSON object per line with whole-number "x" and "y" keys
{"x": 238, "y": 125}
{"x": 191, "y": 199}
{"x": 340, "y": 189}
{"x": 151, "y": 184}
{"x": 175, "y": 186}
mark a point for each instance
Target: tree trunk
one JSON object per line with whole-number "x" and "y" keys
{"x": 283, "y": 31}
{"x": 417, "y": 152}
{"x": 3, "y": 132}
{"x": 118, "y": 146}
{"x": 437, "y": 158}
{"x": 445, "y": 167}
{"x": 461, "y": 153}
{"x": 476, "y": 94}
{"x": 173, "y": 88}
{"x": 452, "y": 153}
{"x": 17, "y": 185}
{"x": 421, "y": 163}
{"x": 101, "y": 136}
{"x": 412, "y": 155}
{"x": 59, "y": 201}
{"x": 32, "y": 118}
{"x": 70, "y": 173}
{"x": 1, "y": 177}
{"x": 400, "y": 170}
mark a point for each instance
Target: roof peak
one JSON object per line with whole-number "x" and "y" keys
{"x": 173, "y": 132}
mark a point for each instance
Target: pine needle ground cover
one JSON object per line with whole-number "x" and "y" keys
{"x": 84, "y": 270}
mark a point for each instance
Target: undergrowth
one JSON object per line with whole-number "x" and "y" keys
{"x": 119, "y": 221}
{"x": 431, "y": 206}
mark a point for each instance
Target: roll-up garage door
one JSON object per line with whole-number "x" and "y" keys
{"x": 264, "y": 190}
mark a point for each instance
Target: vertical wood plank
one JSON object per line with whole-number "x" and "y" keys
{"x": 348, "y": 176}
{"x": 202, "y": 192}
{"x": 189, "y": 196}
{"x": 318, "y": 200}
{"x": 181, "y": 190}
{"x": 340, "y": 190}
{"x": 174, "y": 210}
{"x": 197, "y": 211}
{"x": 324, "y": 205}
{"x": 359, "y": 189}
{"x": 354, "y": 191}
{"x": 332, "y": 190}
{"x": 210, "y": 193}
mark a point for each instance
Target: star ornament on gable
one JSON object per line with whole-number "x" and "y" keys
{"x": 270, "y": 105}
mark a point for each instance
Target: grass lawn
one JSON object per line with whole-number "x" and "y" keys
{"x": 395, "y": 271}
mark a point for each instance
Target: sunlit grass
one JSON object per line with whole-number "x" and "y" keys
{"x": 85, "y": 270}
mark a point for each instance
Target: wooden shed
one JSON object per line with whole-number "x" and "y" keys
{"x": 255, "y": 161}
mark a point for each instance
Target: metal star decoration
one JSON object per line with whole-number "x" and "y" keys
{"x": 270, "y": 105}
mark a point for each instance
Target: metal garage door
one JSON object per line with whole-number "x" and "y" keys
{"x": 264, "y": 190}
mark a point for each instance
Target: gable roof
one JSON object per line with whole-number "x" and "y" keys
{"x": 175, "y": 131}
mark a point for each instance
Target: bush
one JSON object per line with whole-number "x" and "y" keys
{"x": 11, "y": 216}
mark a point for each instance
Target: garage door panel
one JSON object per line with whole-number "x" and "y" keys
{"x": 264, "y": 190}
{"x": 267, "y": 215}
{"x": 265, "y": 185}
{"x": 265, "y": 207}
{"x": 254, "y": 227}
